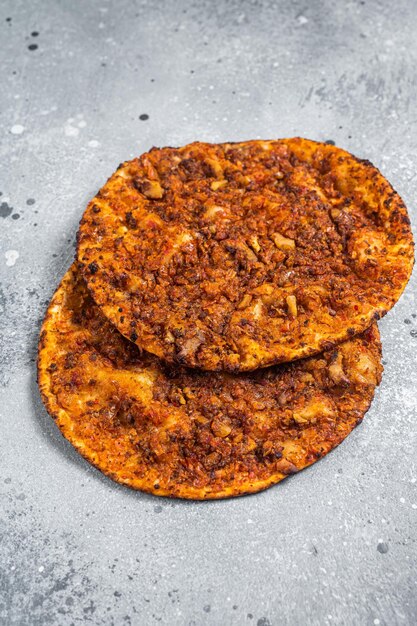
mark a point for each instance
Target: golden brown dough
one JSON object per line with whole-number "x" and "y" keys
{"x": 237, "y": 256}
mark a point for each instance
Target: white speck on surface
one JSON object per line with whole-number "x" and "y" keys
{"x": 414, "y": 506}
{"x": 376, "y": 621}
{"x": 301, "y": 19}
{"x": 82, "y": 124}
{"x": 402, "y": 500}
{"x": 93, "y": 143}
{"x": 17, "y": 129}
{"x": 41, "y": 568}
{"x": 11, "y": 257}
{"x": 71, "y": 131}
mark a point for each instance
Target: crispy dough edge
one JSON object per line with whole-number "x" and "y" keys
{"x": 63, "y": 420}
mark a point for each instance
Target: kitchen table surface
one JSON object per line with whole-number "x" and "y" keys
{"x": 84, "y": 86}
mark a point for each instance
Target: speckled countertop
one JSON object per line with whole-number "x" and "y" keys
{"x": 85, "y": 85}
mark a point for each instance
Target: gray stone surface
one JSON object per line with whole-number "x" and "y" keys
{"x": 333, "y": 545}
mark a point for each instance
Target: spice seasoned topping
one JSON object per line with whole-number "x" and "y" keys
{"x": 182, "y": 239}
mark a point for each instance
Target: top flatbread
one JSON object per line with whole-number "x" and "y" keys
{"x": 237, "y": 256}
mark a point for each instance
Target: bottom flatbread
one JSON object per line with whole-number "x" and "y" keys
{"x": 184, "y": 433}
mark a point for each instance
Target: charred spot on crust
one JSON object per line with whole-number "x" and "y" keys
{"x": 379, "y": 314}
{"x": 130, "y": 220}
{"x": 93, "y": 267}
{"x": 365, "y": 162}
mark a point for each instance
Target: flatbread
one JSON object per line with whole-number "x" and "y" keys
{"x": 187, "y": 433}
{"x": 237, "y": 256}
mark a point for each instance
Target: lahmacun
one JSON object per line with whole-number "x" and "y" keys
{"x": 238, "y": 256}
{"x": 187, "y": 433}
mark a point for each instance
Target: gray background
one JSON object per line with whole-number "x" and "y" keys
{"x": 333, "y": 545}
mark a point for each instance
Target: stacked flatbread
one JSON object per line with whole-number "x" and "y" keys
{"x": 217, "y": 330}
